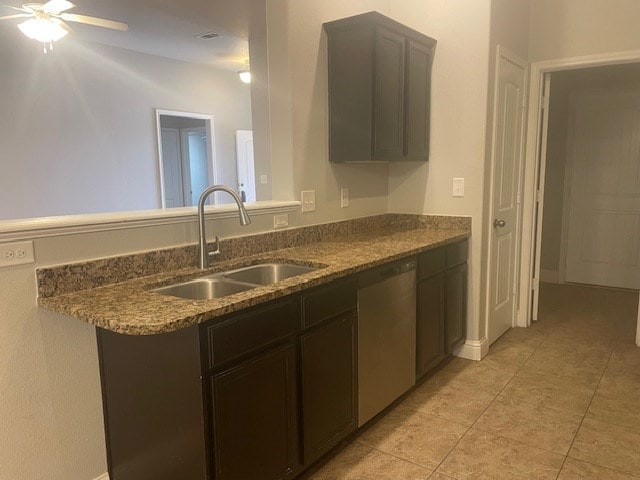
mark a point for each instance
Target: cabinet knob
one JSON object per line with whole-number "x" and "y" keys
{"x": 499, "y": 223}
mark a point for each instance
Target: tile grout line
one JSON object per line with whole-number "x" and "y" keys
{"x": 483, "y": 412}
{"x": 395, "y": 456}
{"x": 585, "y": 416}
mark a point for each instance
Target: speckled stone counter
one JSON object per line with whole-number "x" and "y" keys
{"x": 114, "y": 293}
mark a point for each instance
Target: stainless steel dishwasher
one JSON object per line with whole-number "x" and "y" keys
{"x": 386, "y": 336}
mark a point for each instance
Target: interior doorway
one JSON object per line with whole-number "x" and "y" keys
{"x": 591, "y": 221}
{"x": 584, "y": 187}
{"x": 186, "y": 156}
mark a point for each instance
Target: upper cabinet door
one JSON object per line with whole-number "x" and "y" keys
{"x": 419, "y": 57}
{"x": 350, "y": 93}
{"x": 379, "y": 81}
{"x": 389, "y": 96}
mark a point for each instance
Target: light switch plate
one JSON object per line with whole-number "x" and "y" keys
{"x": 17, "y": 253}
{"x": 344, "y": 197}
{"x": 263, "y": 179}
{"x": 308, "y": 198}
{"x": 458, "y": 187}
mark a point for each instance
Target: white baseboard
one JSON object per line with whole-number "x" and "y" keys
{"x": 473, "y": 349}
{"x": 550, "y": 276}
{"x": 104, "y": 476}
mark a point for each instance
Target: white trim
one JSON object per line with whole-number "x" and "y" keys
{"x": 549, "y": 276}
{"x": 473, "y": 349}
{"x": 73, "y": 224}
{"x": 104, "y": 476}
{"x": 511, "y": 57}
{"x": 566, "y": 192}
{"x": 538, "y": 69}
{"x": 540, "y": 175}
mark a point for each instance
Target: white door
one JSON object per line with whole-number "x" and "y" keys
{"x": 603, "y": 246}
{"x": 196, "y": 162}
{"x": 172, "y": 167}
{"x": 506, "y": 167}
{"x": 246, "y": 168}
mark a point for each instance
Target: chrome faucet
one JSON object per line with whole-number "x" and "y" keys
{"x": 205, "y": 255}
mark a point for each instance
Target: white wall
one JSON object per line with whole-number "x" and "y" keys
{"x": 311, "y": 168}
{"x": 78, "y": 128}
{"x": 568, "y": 28}
{"x": 458, "y": 120}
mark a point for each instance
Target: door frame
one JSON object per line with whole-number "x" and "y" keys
{"x": 211, "y": 152}
{"x": 513, "y": 58}
{"x": 532, "y": 164}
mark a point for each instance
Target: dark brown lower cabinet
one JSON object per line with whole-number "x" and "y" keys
{"x": 328, "y": 385}
{"x": 254, "y": 418}
{"x": 442, "y": 304}
{"x": 152, "y": 403}
{"x": 456, "y": 310}
{"x": 430, "y": 322}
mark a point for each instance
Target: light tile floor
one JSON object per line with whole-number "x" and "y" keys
{"x": 559, "y": 400}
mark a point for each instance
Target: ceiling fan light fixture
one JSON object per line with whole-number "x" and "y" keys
{"x": 245, "y": 76}
{"x": 43, "y": 30}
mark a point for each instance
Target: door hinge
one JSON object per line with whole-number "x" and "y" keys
{"x": 538, "y": 196}
{"x": 515, "y": 288}
{"x": 545, "y": 102}
{"x": 518, "y": 198}
{"x": 536, "y": 283}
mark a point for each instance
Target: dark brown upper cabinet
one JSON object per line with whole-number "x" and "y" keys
{"x": 379, "y": 90}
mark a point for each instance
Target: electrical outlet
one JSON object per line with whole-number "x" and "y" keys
{"x": 281, "y": 221}
{"x": 344, "y": 197}
{"x": 264, "y": 179}
{"x": 458, "y": 187}
{"x": 308, "y": 198}
{"x": 16, "y": 253}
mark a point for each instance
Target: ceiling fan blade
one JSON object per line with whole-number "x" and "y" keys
{"x": 57, "y": 6}
{"x": 19, "y": 15}
{"x": 63, "y": 25}
{"x": 98, "y": 22}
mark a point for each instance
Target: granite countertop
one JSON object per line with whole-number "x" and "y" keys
{"x": 130, "y": 308}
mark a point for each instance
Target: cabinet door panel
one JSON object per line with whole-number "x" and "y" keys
{"x": 456, "y": 306}
{"x": 328, "y": 386}
{"x": 417, "y": 101}
{"x": 389, "y": 96}
{"x": 254, "y": 413}
{"x": 350, "y": 95}
{"x": 430, "y": 324}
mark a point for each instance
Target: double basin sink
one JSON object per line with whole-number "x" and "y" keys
{"x": 222, "y": 284}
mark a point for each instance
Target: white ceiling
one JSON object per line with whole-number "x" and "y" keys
{"x": 168, "y": 27}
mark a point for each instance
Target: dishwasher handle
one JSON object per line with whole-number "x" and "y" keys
{"x": 387, "y": 271}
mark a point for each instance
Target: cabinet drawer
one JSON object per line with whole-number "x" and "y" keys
{"x": 250, "y": 331}
{"x": 328, "y": 302}
{"x": 431, "y": 262}
{"x": 457, "y": 253}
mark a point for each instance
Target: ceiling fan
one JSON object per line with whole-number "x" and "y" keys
{"x": 47, "y": 21}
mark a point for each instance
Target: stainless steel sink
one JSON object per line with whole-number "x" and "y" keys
{"x": 204, "y": 289}
{"x": 267, "y": 273}
{"x": 223, "y": 284}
